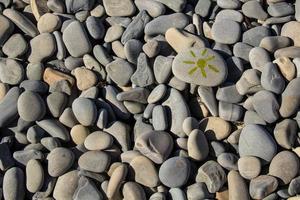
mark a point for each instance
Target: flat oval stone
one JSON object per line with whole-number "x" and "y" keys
{"x": 285, "y": 166}
{"x": 197, "y": 145}
{"x": 226, "y": 31}
{"x": 215, "y": 128}
{"x": 262, "y": 186}
{"x": 237, "y": 187}
{"x": 157, "y": 93}
{"x": 98, "y": 140}
{"x": 119, "y": 7}
{"x": 120, "y": 71}
{"x": 285, "y": 133}
{"x": 15, "y": 46}
{"x": 156, "y": 145}
{"x": 256, "y": 141}
{"x": 31, "y": 106}
{"x": 145, "y": 172}
{"x": 11, "y": 71}
{"x": 253, "y": 9}
{"x": 35, "y": 176}
{"x": 54, "y": 128}
{"x": 291, "y": 30}
{"x": 272, "y": 43}
{"x": 14, "y": 184}
{"x": 174, "y": 172}
{"x": 249, "y": 167}
{"x": 60, "y": 161}
{"x": 48, "y": 23}
{"x": 94, "y": 161}
{"x": 200, "y": 66}
{"x": 79, "y": 133}
{"x": 85, "y": 111}
{"x": 213, "y": 175}
{"x": 66, "y": 185}
{"x": 133, "y": 191}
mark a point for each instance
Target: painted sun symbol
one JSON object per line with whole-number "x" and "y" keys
{"x": 201, "y": 63}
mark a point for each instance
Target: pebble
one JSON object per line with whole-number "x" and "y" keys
{"x": 256, "y": 141}
{"x": 254, "y": 35}
{"x": 79, "y": 133}
{"x": 145, "y": 172}
{"x": 176, "y": 5}
{"x": 54, "y": 128}
{"x": 174, "y": 172}
{"x": 143, "y": 76}
{"x": 293, "y": 188}
{"x": 266, "y": 105}
{"x": 162, "y": 68}
{"x": 38, "y": 53}
{"x": 258, "y": 57}
{"x": 229, "y": 94}
{"x": 273, "y": 43}
{"x": 154, "y": 8}
{"x": 132, "y": 50}
{"x": 290, "y": 98}
{"x": 241, "y": 50}
{"x": 133, "y": 191}
{"x": 119, "y": 7}
{"x": 230, "y": 112}
{"x": 11, "y": 71}
{"x": 95, "y": 27}
{"x": 50, "y": 143}
{"x": 226, "y": 31}
{"x": 286, "y": 67}
{"x": 38, "y": 8}
{"x": 23, "y": 156}
{"x": 203, "y": 7}
{"x": 212, "y": 174}
{"x": 285, "y": 133}
{"x": 116, "y": 179}
{"x": 261, "y": 186}
{"x": 31, "y": 106}
{"x": 249, "y": 82}
{"x": 249, "y": 167}
{"x": 85, "y": 78}
{"x": 158, "y": 25}
{"x": 48, "y": 23}
{"x": 66, "y": 185}
{"x": 198, "y": 191}
{"x": 237, "y": 187}
{"x": 214, "y": 74}
{"x": 159, "y": 118}
{"x": 284, "y": 166}
{"x": 120, "y": 71}
{"x": 215, "y": 128}
{"x": 15, "y": 46}
{"x": 6, "y": 29}
{"x": 253, "y": 9}
{"x": 22, "y": 22}
{"x": 6, "y": 159}
{"x": 85, "y": 111}
{"x": 76, "y": 32}
{"x": 280, "y": 9}
{"x": 86, "y": 189}
{"x": 290, "y": 30}
{"x": 189, "y": 124}
{"x": 229, "y": 14}
{"x": 98, "y": 140}
{"x": 14, "y": 184}
{"x": 94, "y": 161}
{"x": 60, "y": 161}
{"x": 228, "y": 161}
{"x": 35, "y": 176}
{"x": 52, "y": 76}
{"x": 271, "y": 79}
{"x": 197, "y": 145}
{"x": 56, "y": 6}
{"x": 156, "y": 145}
{"x": 113, "y": 33}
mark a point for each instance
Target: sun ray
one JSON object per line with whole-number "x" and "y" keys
{"x": 188, "y": 62}
{"x": 193, "y": 54}
{"x": 210, "y": 58}
{"x": 203, "y": 72}
{"x": 212, "y": 67}
{"x": 204, "y": 52}
{"x": 192, "y": 70}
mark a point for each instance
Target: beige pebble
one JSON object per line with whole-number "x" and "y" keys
{"x": 52, "y": 76}
{"x": 79, "y": 133}
{"x": 286, "y": 67}
{"x": 215, "y": 128}
{"x": 197, "y": 145}
{"x": 181, "y": 40}
{"x": 249, "y": 167}
{"x": 207, "y": 30}
{"x": 117, "y": 177}
{"x": 128, "y": 156}
{"x": 145, "y": 172}
{"x": 3, "y": 90}
{"x": 118, "y": 49}
{"x": 35, "y": 176}
{"x": 66, "y": 186}
{"x": 133, "y": 191}
{"x": 297, "y": 151}
{"x": 112, "y": 168}
{"x": 113, "y": 33}
{"x": 98, "y": 11}
{"x": 85, "y": 78}
{"x": 292, "y": 30}
{"x": 38, "y": 8}
{"x": 98, "y": 140}
{"x": 48, "y": 23}
{"x": 223, "y": 194}
{"x": 237, "y": 187}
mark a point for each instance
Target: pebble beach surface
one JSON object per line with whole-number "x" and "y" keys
{"x": 149, "y": 99}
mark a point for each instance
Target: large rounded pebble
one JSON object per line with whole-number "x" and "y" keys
{"x": 290, "y": 98}
{"x": 76, "y": 39}
{"x": 120, "y": 71}
{"x": 215, "y": 128}
{"x": 35, "y": 176}
{"x": 256, "y": 141}
{"x": 42, "y": 47}
{"x": 285, "y": 166}
{"x": 226, "y": 31}
{"x": 253, "y": 9}
{"x": 156, "y": 145}
{"x": 254, "y": 35}
{"x": 272, "y": 43}
{"x": 116, "y": 179}
{"x": 31, "y": 106}
{"x": 154, "y": 8}
{"x": 85, "y": 111}
{"x": 271, "y": 79}
{"x": 119, "y": 8}
{"x": 262, "y": 186}
{"x": 285, "y": 133}
{"x": 189, "y": 124}
{"x": 98, "y": 140}
{"x": 249, "y": 167}
{"x": 48, "y": 23}
{"x": 15, "y": 46}
{"x": 66, "y": 186}
{"x": 258, "y": 57}
{"x": 85, "y": 78}
{"x": 200, "y": 66}
{"x": 133, "y": 191}
{"x": 213, "y": 175}
{"x": 60, "y": 161}
{"x": 174, "y": 172}
{"x": 11, "y": 71}
{"x": 291, "y": 30}
{"x": 197, "y": 145}
{"x": 228, "y": 161}
{"x": 145, "y": 172}
{"x": 79, "y": 133}
{"x": 237, "y": 187}
{"x": 94, "y": 161}
{"x": 56, "y": 103}
{"x": 14, "y": 184}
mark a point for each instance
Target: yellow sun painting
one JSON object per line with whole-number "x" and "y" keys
{"x": 201, "y": 63}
